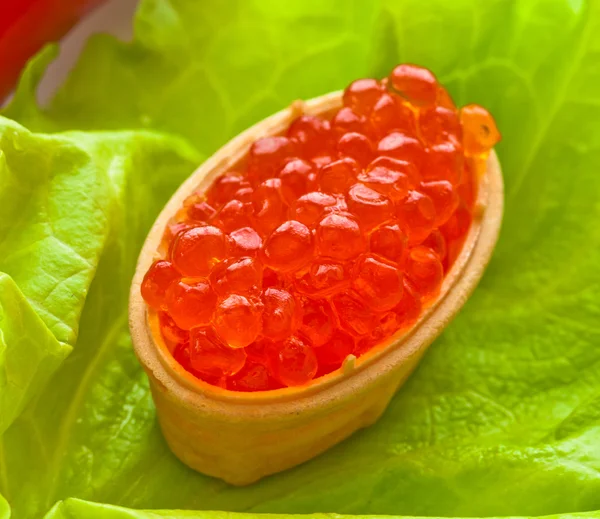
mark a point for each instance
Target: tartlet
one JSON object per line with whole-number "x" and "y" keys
{"x": 243, "y": 436}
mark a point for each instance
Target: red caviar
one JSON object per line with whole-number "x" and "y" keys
{"x": 330, "y": 239}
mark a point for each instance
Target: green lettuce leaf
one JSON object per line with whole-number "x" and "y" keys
{"x": 4, "y": 509}
{"x": 503, "y": 415}
{"x": 77, "y": 509}
{"x": 29, "y": 353}
{"x": 74, "y": 207}
{"x": 52, "y": 222}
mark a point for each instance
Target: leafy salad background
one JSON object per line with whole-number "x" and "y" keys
{"x": 503, "y": 415}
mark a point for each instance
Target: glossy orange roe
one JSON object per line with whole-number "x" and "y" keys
{"x": 326, "y": 240}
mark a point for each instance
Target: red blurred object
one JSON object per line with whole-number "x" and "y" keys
{"x": 26, "y": 25}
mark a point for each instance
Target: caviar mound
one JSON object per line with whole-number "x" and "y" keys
{"x": 241, "y": 412}
{"x": 329, "y": 239}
